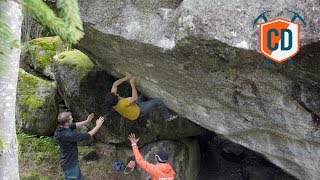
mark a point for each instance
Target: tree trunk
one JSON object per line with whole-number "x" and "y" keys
{"x": 9, "y": 168}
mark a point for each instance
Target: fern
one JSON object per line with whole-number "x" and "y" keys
{"x": 69, "y": 11}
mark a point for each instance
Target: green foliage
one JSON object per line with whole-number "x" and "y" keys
{"x": 38, "y": 157}
{"x": 69, "y": 12}
{"x": 69, "y": 28}
{"x": 35, "y": 176}
{"x": 37, "y": 150}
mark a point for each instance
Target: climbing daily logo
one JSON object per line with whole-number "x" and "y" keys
{"x": 279, "y": 39}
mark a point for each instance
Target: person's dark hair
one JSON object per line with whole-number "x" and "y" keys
{"x": 63, "y": 117}
{"x": 112, "y": 99}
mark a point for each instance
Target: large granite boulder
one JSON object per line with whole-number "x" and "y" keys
{"x": 71, "y": 67}
{"x": 199, "y": 56}
{"x": 231, "y": 22}
{"x": 37, "y": 109}
{"x": 164, "y": 23}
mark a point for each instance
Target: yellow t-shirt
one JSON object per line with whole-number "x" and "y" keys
{"x": 127, "y": 110}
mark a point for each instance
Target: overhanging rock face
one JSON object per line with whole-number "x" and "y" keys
{"x": 188, "y": 53}
{"x": 163, "y": 23}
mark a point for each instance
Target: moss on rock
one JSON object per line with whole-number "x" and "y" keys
{"x": 36, "y": 106}
{"x": 2, "y": 142}
{"x": 26, "y": 85}
{"x": 40, "y": 53}
{"x": 77, "y": 62}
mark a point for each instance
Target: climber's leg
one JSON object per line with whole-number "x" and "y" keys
{"x": 141, "y": 99}
{"x": 147, "y": 106}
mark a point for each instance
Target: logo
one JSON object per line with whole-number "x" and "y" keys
{"x": 279, "y": 39}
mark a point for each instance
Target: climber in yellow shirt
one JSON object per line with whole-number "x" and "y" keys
{"x": 134, "y": 106}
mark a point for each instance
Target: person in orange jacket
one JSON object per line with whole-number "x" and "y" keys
{"x": 161, "y": 171}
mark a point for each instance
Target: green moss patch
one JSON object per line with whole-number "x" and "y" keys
{"x": 36, "y": 106}
{"x": 2, "y": 142}
{"x": 28, "y": 85}
{"x": 77, "y": 61}
{"x": 40, "y": 52}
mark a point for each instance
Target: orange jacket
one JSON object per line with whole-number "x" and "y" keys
{"x": 160, "y": 171}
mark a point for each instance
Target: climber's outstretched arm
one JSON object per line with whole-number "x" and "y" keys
{"x": 134, "y": 95}
{"x": 118, "y": 82}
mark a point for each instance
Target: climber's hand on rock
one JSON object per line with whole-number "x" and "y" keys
{"x": 133, "y": 79}
{"x": 128, "y": 77}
